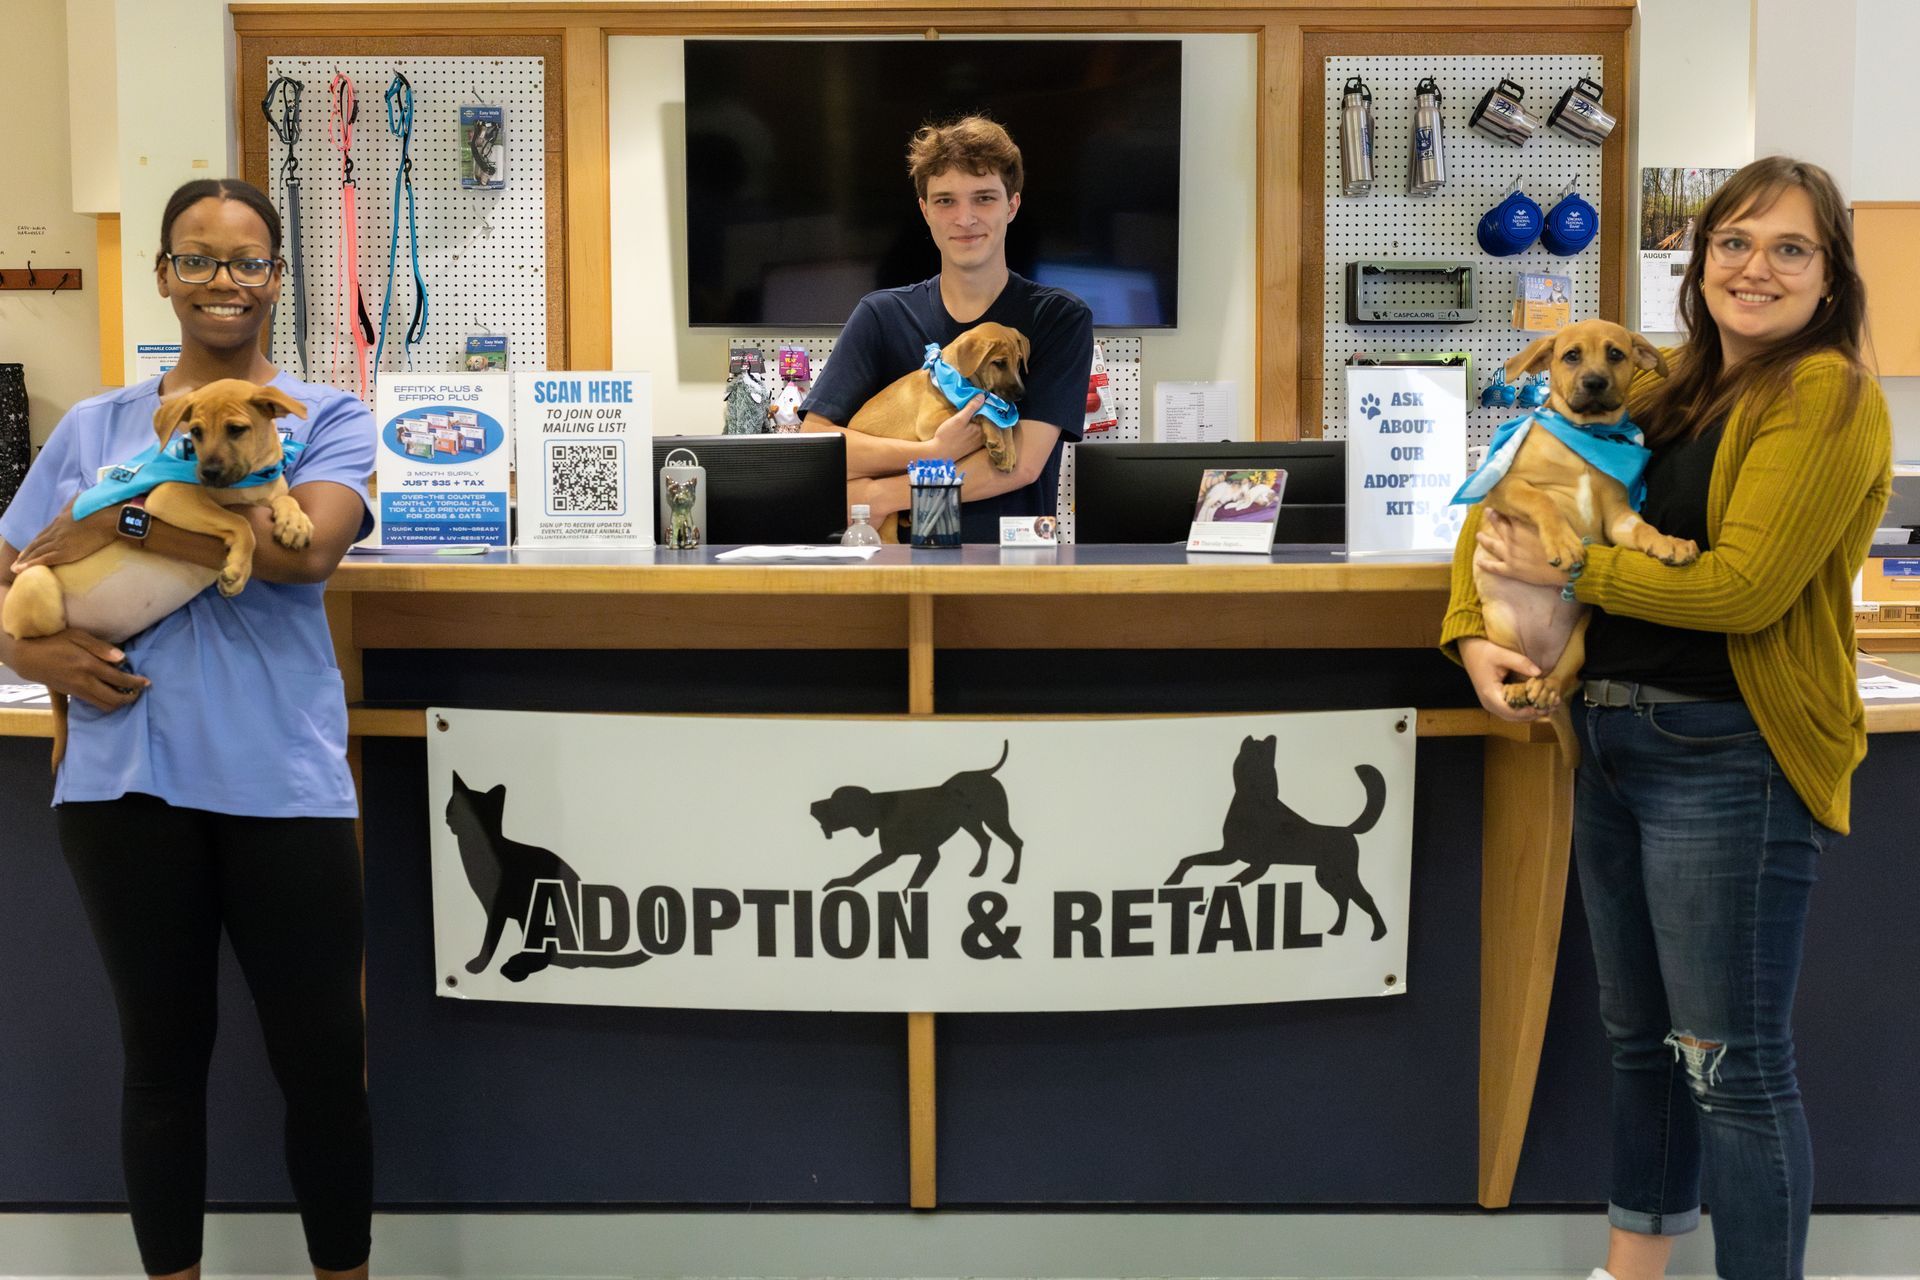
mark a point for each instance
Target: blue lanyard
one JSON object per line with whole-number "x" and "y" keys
{"x": 400, "y": 124}
{"x": 287, "y": 129}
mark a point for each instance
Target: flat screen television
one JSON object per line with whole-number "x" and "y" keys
{"x": 798, "y": 200}
{"x": 1146, "y": 492}
{"x": 773, "y": 488}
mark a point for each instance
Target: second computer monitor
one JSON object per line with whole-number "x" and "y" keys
{"x": 776, "y": 488}
{"x": 1147, "y": 492}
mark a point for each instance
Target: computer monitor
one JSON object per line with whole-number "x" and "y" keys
{"x": 768, "y": 488}
{"x": 1147, "y": 492}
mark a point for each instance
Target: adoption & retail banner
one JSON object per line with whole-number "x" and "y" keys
{"x": 920, "y": 865}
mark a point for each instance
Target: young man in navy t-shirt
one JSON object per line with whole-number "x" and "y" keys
{"x": 968, "y": 178}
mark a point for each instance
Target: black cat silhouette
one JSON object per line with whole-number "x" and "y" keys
{"x": 503, "y": 872}
{"x": 1262, "y": 832}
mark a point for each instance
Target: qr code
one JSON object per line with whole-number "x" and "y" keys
{"x": 584, "y": 479}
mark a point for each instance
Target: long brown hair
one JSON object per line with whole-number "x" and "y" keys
{"x": 1700, "y": 390}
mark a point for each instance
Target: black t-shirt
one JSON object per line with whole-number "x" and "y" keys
{"x": 887, "y": 336}
{"x": 1675, "y": 658}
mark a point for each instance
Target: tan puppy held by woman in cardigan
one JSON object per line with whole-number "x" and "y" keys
{"x": 1571, "y": 503}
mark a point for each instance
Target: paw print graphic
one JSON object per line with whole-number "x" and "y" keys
{"x": 1447, "y": 521}
{"x": 1370, "y": 406}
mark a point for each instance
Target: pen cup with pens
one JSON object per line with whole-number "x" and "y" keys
{"x": 935, "y": 511}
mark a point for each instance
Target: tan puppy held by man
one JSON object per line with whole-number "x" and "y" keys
{"x": 1589, "y": 366}
{"x": 122, "y": 589}
{"x": 990, "y": 356}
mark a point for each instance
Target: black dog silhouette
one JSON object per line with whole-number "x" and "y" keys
{"x": 914, "y": 824}
{"x": 502, "y": 873}
{"x": 1262, "y": 832}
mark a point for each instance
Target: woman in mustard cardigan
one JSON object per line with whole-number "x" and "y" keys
{"x": 1719, "y": 720}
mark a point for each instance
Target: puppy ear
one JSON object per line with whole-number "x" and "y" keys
{"x": 1532, "y": 358}
{"x": 970, "y": 351}
{"x": 1026, "y": 349}
{"x": 274, "y": 403}
{"x": 1648, "y": 356}
{"x": 167, "y": 418}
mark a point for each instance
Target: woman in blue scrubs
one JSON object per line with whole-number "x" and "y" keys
{"x": 205, "y": 786}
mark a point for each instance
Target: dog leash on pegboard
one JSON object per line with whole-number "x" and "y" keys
{"x": 284, "y": 93}
{"x": 15, "y": 450}
{"x": 400, "y": 124}
{"x": 342, "y": 110}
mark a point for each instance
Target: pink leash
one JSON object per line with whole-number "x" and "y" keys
{"x": 342, "y": 110}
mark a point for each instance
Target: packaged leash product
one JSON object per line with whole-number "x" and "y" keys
{"x": 483, "y": 148}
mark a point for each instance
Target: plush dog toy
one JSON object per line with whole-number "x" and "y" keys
{"x": 1574, "y": 470}
{"x": 228, "y": 454}
{"x": 987, "y": 357}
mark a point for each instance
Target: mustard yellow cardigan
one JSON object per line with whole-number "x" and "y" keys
{"x": 1791, "y": 510}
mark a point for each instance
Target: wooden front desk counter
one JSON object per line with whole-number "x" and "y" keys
{"x": 1086, "y": 600}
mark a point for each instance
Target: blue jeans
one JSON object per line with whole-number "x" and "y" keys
{"x": 1696, "y": 860}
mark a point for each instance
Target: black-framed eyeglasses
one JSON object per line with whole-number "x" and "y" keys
{"x": 198, "y": 268}
{"x": 1730, "y": 249}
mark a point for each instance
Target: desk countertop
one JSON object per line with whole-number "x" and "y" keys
{"x": 897, "y": 570}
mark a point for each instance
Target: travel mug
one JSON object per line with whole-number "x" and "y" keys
{"x": 1501, "y": 114}
{"x": 1578, "y": 114}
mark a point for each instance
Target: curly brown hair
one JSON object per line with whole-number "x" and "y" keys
{"x": 972, "y": 144}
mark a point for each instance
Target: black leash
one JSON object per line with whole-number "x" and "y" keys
{"x": 284, "y": 93}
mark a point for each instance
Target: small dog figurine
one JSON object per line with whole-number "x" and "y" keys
{"x": 914, "y": 824}
{"x": 1261, "y": 831}
{"x": 911, "y": 407}
{"x": 122, "y": 589}
{"x": 1571, "y": 502}
{"x": 682, "y": 532}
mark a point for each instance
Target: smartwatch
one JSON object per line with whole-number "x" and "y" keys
{"x": 134, "y": 522}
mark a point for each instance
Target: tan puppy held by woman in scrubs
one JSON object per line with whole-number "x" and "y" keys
{"x": 123, "y": 588}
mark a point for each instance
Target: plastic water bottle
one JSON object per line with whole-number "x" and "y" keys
{"x": 860, "y": 533}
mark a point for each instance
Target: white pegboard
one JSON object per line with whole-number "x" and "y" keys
{"x": 1391, "y": 224}
{"x": 483, "y": 254}
{"x": 1122, "y": 356}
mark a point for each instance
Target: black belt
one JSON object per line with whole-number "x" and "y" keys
{"x": 1629, "y": 693}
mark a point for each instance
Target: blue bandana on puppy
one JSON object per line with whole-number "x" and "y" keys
{"x": 172, "y": 464}
{"x": 953, "y": 385}
{"x": 1615, "y": 449}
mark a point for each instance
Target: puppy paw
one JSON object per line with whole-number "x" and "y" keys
{"x": 1532, "y": 693}
{"x": 291, "y": 527}
{"x": 233, "y": 579}
{"x": 1564, "y": 551}
{"x": 1674, "y": 551}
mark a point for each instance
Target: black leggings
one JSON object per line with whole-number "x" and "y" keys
{"x": 159, "y": 883}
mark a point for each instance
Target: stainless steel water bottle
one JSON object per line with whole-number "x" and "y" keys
{"x": 1428, "y": 165}
{"x": 1356, "y": 139}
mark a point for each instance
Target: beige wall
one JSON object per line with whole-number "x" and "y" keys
{"x": 646, "y": 109}
{"x": 173, "y": 127}
{"x": 56, "y": 336}
{"x": 1722, "y": 81}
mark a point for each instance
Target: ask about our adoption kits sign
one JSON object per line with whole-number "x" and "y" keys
{"x": 896, "y": 865}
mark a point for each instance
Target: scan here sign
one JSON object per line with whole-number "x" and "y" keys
{"x": 943, "y": 865}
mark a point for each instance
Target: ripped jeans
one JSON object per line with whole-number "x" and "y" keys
{"x": 1696, "y": 861}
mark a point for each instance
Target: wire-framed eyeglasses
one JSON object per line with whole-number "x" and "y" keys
{"x": 198, "y": 268}
{"x": 1730, "y": 249}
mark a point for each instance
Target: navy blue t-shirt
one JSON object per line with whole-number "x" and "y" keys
{"x": 887, "y": 336}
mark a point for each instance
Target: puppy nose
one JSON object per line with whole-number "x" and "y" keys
{"x": 1595, "y": 381}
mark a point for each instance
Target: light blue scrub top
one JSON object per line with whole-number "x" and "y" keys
{"x": 246, "y": 714}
